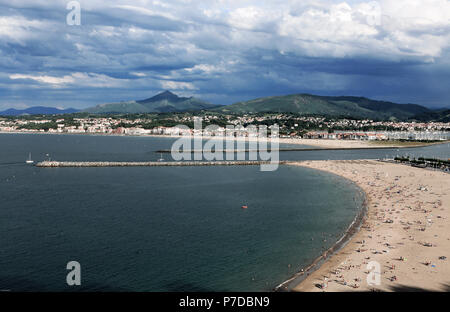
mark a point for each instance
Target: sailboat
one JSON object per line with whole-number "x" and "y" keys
{"x": 29, "y": 160}
{"x": 161, "y": 158}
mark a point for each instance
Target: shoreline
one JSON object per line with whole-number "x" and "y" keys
{"x": 347, "y": 235}
{"x": 411, "y": 252}
{"x": 310, "y": 144}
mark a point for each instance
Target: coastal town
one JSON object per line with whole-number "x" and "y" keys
{"x": 291, "y": 125}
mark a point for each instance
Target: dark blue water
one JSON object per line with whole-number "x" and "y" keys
{"x": 120, "y": 148}
{"x": 160, "y": 228}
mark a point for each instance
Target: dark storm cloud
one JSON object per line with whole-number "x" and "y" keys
{"x": 222, "y": 53}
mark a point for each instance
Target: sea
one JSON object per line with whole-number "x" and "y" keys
{"x": 165, "y": 228}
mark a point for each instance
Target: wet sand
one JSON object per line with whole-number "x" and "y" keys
{"x": 406, "y": 231}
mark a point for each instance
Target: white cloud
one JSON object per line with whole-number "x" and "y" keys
{"x": 105, "y": 31}
{"x": 208, "y": 68}
{"x": 79, "y": 79}
{"x": 177, "y": 85}
{"x": 137, "y": 74}
{"x": 144, "y": 10}
{"x": 18, "y": 28}
{"x": 386, "y": 29}
{"x": 251, "y": 18}
{"x": 44, "y": 79}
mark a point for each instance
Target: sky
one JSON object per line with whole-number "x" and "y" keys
{"x": 222, "y": 51}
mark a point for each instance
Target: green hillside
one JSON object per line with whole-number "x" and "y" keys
{"x": 122, "y": 107}
{"x": 439, "y": 116}
{"x": 333, "y": 106}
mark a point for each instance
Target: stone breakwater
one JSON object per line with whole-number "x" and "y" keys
{"x": 57, "y": 164}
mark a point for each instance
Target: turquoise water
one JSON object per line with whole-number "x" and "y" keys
{"x": 159, "y": 229}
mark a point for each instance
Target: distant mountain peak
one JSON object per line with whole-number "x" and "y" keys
{"x": 165, "y": 95}
{"x": 163, "y": 102}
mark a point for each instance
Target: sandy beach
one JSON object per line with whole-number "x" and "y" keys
{"x": 334, "y": 144}
{"x": 344, "y": 144}
{"x": 406, "y": 231}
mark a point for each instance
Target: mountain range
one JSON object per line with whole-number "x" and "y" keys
{"x": 304, "y": 104}
{"x": 164, "y": 102}
{"x": 331, "y": 106}
{"x": 37, "y": 110}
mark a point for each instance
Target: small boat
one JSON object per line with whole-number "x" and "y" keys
{"x": 29, "y": 160}
{"x": 244, "y": 207}
{"x": 161, "y": 158}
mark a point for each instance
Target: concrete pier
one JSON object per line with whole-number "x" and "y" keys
{"x": 58, "y": 164}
